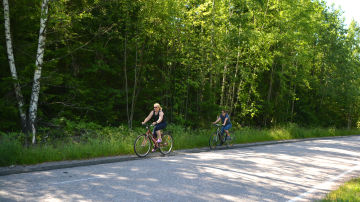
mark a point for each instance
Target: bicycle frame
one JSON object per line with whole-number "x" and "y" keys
{"x": 150, "y": 134}
{"x": 219, "y": 133}
{"x": 144, "y": 142}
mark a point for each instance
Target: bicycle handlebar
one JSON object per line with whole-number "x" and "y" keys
{"x": 147, "y": 125}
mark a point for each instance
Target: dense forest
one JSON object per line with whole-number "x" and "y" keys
{"x": 268, "y": 62}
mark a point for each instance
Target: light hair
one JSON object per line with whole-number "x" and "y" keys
{"x": 158, "y": 105}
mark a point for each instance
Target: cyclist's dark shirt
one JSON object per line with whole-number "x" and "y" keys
{"x": 155, "y": 117}
{"x": 224, "y": 117}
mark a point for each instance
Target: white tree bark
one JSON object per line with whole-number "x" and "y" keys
{"x": 11, "y": 58}
{"x": 223, "y": 86}
{"x": 37, "y": 75}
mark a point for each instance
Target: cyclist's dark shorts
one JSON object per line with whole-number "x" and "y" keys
{"x": 226, "y": 127}
{"x": 159, "y": 126}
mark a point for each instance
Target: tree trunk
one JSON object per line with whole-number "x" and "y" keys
{"x": 11, "y": 58}
{"x": 38, "y": 64}
{"x": 270, "y": 85}
{"x": 267, "y": 7}
{"x": 137, "y": 75}
{"x": 223, "y": 86}
{"x": 126, "y": 85}
{"x": 269, "y": 92}
{"x": 134, "y": 88}
{"x": 211, "y": 87}
{"x": 232, "y": 104}
{"x": 187, "y": 96}
{"x": 293, "y": 104}
{"x": 349, "y": 117}
{"x": 232, "y": 100}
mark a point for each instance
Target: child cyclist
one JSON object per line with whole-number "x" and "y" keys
{"x": 226, "y": 123}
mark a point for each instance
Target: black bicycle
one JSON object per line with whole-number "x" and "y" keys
{"x": 145, "y": 142}
{"x": 219, "y": 138}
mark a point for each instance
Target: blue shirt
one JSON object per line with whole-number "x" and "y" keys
{"x": 224, "y": 117}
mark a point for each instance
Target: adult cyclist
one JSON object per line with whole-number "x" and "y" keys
{"x": 226, "y": 123}
{"x": 158, "y": 120}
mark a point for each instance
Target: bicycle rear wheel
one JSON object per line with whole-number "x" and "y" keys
{"x": 166, "y": 144}
{"x": 213, "y": 141}
{"x": 230, "y": 143}
{"x": 142, "y": 145}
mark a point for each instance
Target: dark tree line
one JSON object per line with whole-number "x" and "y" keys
{"x": 268, "y": 62}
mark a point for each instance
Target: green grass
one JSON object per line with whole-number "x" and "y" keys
{"x": 112, "y": 141}
{"x": 350, "y": 191}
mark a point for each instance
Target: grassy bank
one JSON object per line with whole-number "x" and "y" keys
{"x": 350, "y": 191}
{"x": 83, "y": 143}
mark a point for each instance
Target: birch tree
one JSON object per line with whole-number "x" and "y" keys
{"x": 38, "y": 66}
{"x": 11, "y": 58}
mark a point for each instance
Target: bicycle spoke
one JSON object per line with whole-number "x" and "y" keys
{"x": 142, "y": 146}
{"x": 230, "y": 142}
{"x": 213, "y": 141}
{"x": 166, "y": 145}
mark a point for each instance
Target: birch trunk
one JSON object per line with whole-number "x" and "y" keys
{"x": 223, "y": 86}
{"x": 212, "y": 95}
{"x": 11, "y": 58}
{"x": 232, "y": 104}
{"x": 38, "y": 65}
{"x": 232, "y": 100}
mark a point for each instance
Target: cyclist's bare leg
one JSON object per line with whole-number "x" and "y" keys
{"x": 158, "y": 136}
{"x": 144, "y": 142}
{"x": 158, "y": 133}
{"x": 227, "y": 133}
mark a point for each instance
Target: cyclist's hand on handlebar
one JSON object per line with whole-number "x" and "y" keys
{"x": 143, "y": 123}
{"x": 153, "y": 123}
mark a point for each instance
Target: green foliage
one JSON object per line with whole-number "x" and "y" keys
{"x": 106, "y": 62}
{"x": 10, "y": 149}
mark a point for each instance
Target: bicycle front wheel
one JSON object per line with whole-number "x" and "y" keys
{"x": 213, "y": 141}
{"x": 142, "y": 145}
{"x": 166, "y": 144}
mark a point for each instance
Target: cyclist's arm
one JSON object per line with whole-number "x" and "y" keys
{"x": 161, "y": 115}
{"x": 148, "y": 117}
{"x": 225, "y": 121}
{"x": 217, "y": 120}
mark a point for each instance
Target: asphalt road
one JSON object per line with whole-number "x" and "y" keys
{"x": 299, "y": 171}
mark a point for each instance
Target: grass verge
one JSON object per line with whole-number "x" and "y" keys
{"x": 111, "y": 141}
{"x": 350, "y": 191}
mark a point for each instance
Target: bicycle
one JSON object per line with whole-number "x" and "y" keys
{"x": 145, "y": 142}
{"x": 219, "y": 138}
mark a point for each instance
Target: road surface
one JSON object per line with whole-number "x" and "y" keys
{"x": 300, "y": 171}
